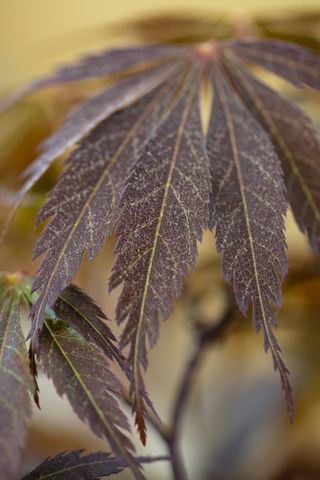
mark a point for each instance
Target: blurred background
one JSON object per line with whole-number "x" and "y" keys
{"x": 236, "y": 426}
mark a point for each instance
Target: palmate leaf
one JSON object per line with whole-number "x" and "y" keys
{"x": 96, "y": 172}
{"x": 163, "y": 214}
{"x": 67, "y": 358}
{"x": 297, "y": 147}
{"x": 144, "y": 168}
{"x": 249, "y": 205}
{"x": 76, "y": 466}
{"x": 16, "y": 383}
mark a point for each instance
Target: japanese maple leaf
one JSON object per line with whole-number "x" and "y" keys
{"x": 144, "y": 167}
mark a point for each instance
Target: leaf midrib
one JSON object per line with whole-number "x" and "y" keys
{"x": 233, "y": 141}
{"x": 136, "y": 343}
{"x": 87, "y": 320}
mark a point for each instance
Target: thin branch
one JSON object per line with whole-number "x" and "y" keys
{"x": 205, "y": 337}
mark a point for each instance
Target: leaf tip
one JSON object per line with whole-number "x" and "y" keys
{"x": 34, "y": 372}
{"x": 281, "y": 367}
{"x": 139, "y": 409}
{"x": 141, "y": 426}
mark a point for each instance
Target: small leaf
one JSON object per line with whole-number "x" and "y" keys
{"x": 297, "y": 143}
{"x": 67, "y": 358}
{"x": 81, "y": 313}
{"x": 96, "y": 170}
{"x": 295, "y": 64}
{"x": 163, "y": 214}
{"x": 75, "y": 466}
{"x": 248, "y": 210}
{"x": 16, "y": 382}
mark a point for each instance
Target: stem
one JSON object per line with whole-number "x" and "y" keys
{"x": 206, "y": 336}
{"x": 177, "y": 465}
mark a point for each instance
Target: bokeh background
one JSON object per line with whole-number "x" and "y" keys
{"x": 235, "y": 427}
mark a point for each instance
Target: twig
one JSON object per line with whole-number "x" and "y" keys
{"x": 205, "y": 337}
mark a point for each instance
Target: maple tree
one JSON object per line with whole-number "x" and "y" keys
{"x": 146, "y": 165}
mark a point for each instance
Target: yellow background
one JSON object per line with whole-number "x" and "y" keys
{"x": 37, "y": 34}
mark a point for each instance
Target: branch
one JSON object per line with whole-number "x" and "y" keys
{"x": 205, "y": 338}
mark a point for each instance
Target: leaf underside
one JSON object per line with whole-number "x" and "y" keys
{"x": 89, "y": 113}
{"x": 96, "y": 172}
{"x": 76, "y": 466}
{"x": 16, "y": 383}
{"x": 143, "y": 167}
{"x": 108, "y": 62}
{"x": 67, "y": 359}
{"x": 80, "y": 312}
{"x": 249, "y": 206}
{"x": 163, "y": 214}
{"x": 299, "y": 153}
{"x": 295, "y": 64}
{"x": 85, "y": 117}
